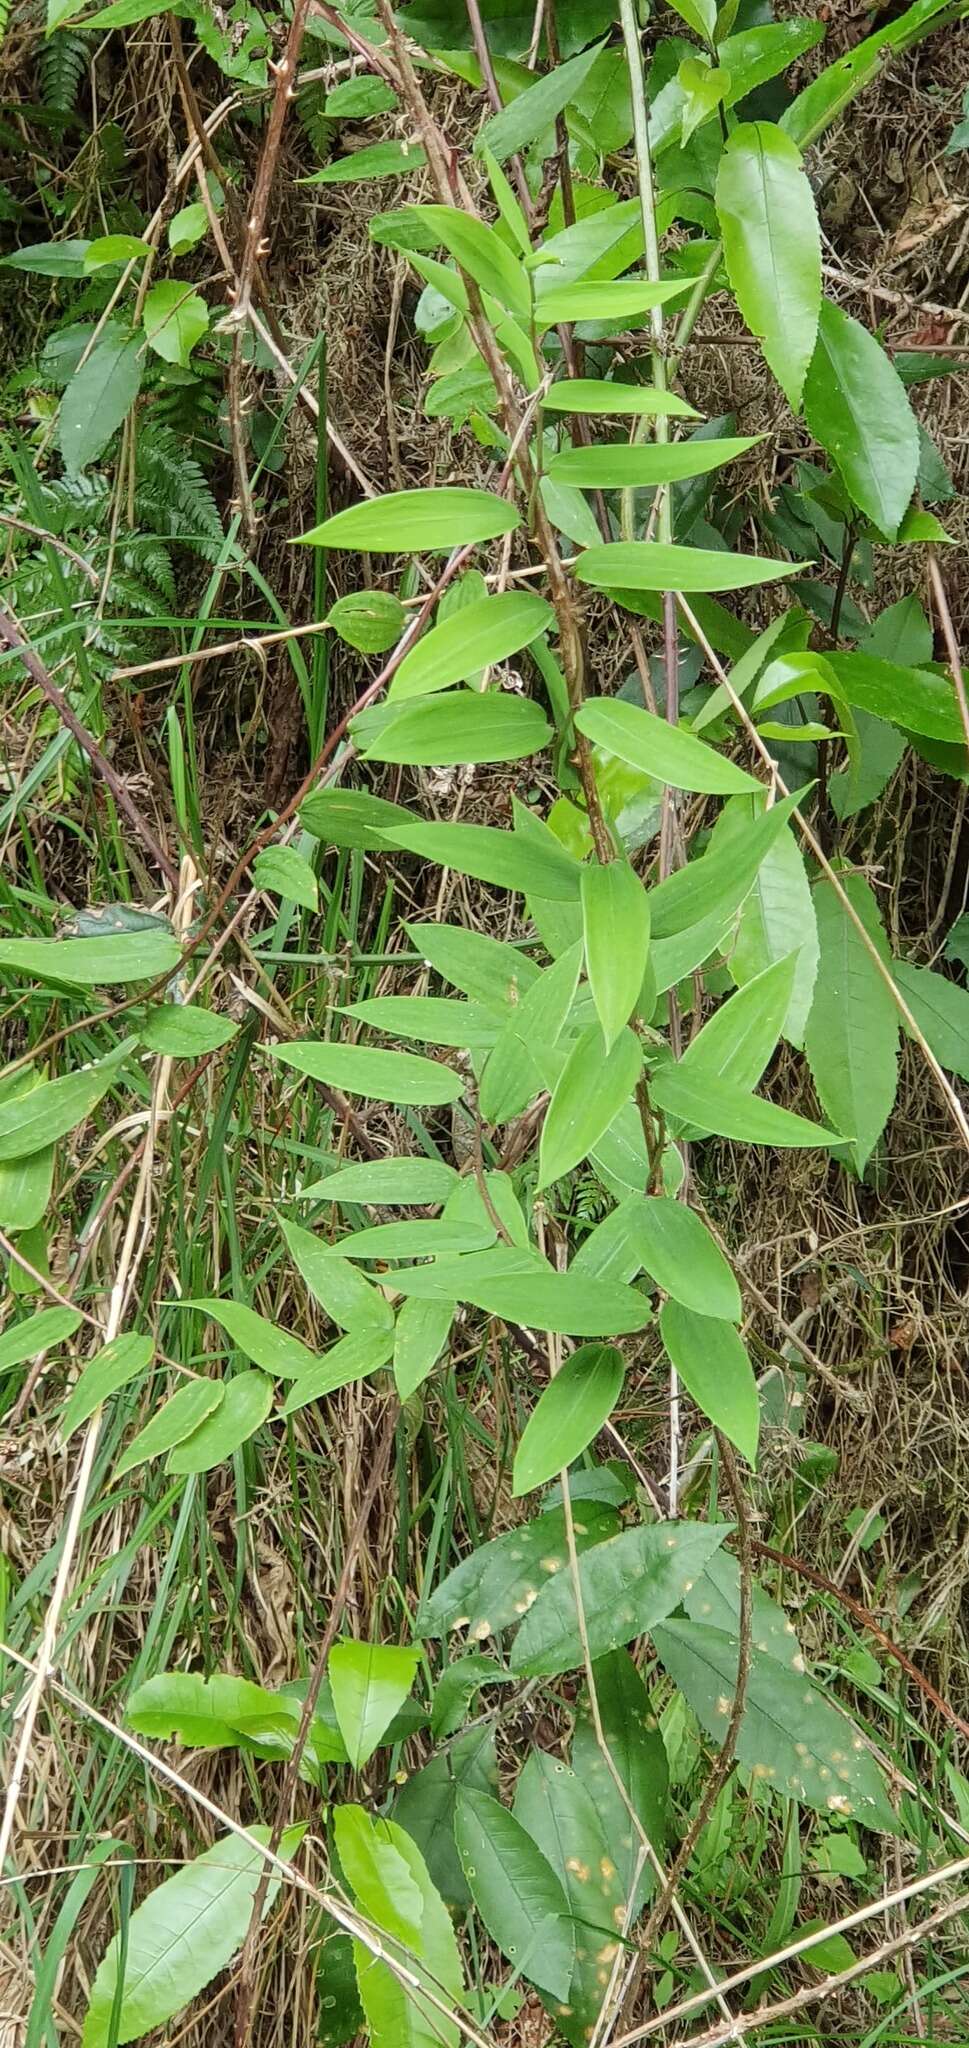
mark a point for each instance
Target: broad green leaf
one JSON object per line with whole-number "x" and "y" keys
{"x": 472, "y": 638}
{"x": 183, "y": 1031}
{"x": 425, "y": 1804}
{"x": 430, "y": 1020}
{"x": 93, "y": 963}
{"x": 712, "y": 888}
{"x": 350, "y": 817}
{"x": 713, "y": 1364}
{"x": 490, "y": 855}
{"x": 677, "y": 1250}
{"x": 275, "y": 1351}
{"x": 48, "y": 259}
{"x": 377, "y": 160}
{"x": 772, "y": 247}
{"x": 516, "y": 1892}
{"x": 483, "y": 256}
{"x": 568, "y": 1415}
{"x": 736, "y": 1044}
{"x": 666, "y": 751}
{"x": 532, "y": 112}
{"x": 287, "y": 873}
{"x": 407, "y": 522}
{"x": 615, "y": 924}
{"x": 611, "y": 1250}
{"x": 715, "y": 1601}
{"x": 941, "y": 1010}
{"x": 111, "y": 1368}
{"x": 114, "y": 249}
{"x": 699, "y": 15}
{"x": 627, "y": 1585}
{"x": 914, "y": 698}
{"x": 461, "y": 727}
{"x": 395, "y": 1888}
{"x": 634, "y": 465}
{"x": 637, "y": 1751}
{"x": 349, "y": 1298}
{"x": 856, "y": 405}
{"x": 393, "y": 1183}
{"x": 368, "y": 1071}
{"x": 791, "y": 1737}
{"x": 417, "y": 1238}
{"x": 559, "y": 1813}
{"x": 368, "y": 620}
{"x": 177, "y": 1418}
{"x": 624, "y": 301}
{"x": 729, "y": 1112}
{"x": 204, "y": 1713}
{"x": 420, "y": 1334}
{"x": 521, "y": 1287}
{"x": 186, "y": 228}
{"x": 651, "y": 565}
{"x": 515, "y": 1070}
{"x": 34, "y": 1121}
{"x": 98, "y": 398}
{"x": 353, "y": 1357}
{"x": 595, "y": 395}
{"x": 175, "y": 320}
{"x": 369, "y": 1682}
{"x": 590, "y": 1091}
{"x": 36, "y": 1334}
{"x": 852, "y": 1032}
{"x": 777, "y": 916}
{"x": 180, "y": 1937}
{"x": 492, "y": 1589}
{"x": 245, "y": 1405}
{"x": 486, "y": 969}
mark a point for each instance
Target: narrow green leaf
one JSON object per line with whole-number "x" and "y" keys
{"x": 591, "y": 1090}
{"x": 245, "y": 1405}
{"x": 530, "y": 113}
{"x": 421, "y": 1332}
{"x": 623, "y": 302}
{"x": 349, "y": 1298}
{"x": 114, "y": 249}
{"x": 111, "y": 1368}
{"x": 49, "y": 259}
{"x": 522, "y": 1287}
{"x": 712, "y": 888}
{"x": 639, "y": 465}
{"x": 423, "y": 1237}
{"x": 489, "y": 855}
{"x": 488, "y": 970}
{"x": 713, "y": 1364}
{"x": 665, "y": 751}
{"x": 732, "y": 1113}
{"x": 615, "y": 925}
{"x": 377, "y": 160}
{"x": 204, "y": 1713}
{"x": 392, "y": 1183}
{"x": 737, "y": 1042}
{"x": 772, "y": 247}
{"x": 361, "y": 1352}
{"x": 368, "y": 1071}
{"x": 856, "y": 405}
{"x": 407, "y": 522}
{"x": 597, "y": 396}
{"x": 483, "y": 255}
{"x": 430, "y": 1020}
{"x": 36, "y": 1334}
{"x": 777, "y": 919}
{"x": 176, "y": 1419}
{"x": 516, "y": 1892}
{"x": 275, "y": 1351}
{"x": 369, "y": 1682}
{"x": 568, "y": 1415}
{"x": 627, "y": 1585}
{"x": 515, "y": 1071}
{"x": 650, "y": 565}
{"x": 395, "y": 1892}
{"x": 838, "y": 84}
{"x": 678, "y": 1251}
{"x": 472, "y": 638}
{"x": 852, "y": 1031}
{"x": 638, "y": 1754}
{"x": 350, "y": 817}
{"x": 182, "y": 1031}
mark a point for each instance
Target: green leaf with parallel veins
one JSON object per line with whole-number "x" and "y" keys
{"x": 393, "y": 1183}
{"x": 25, "y": 1190}
{"x": 177, "y": 1418}
{"x": 732, "y": 1113}
{"x": 559, "y": 1813}
{"x": 856, "y": 405}
{"x": 651, "y": 565}
{"x": 515, "y": 1071}
{"x": 492, "y": 1589}
{"x": 287, "y": 873}
{"x": 93, "y": 963}
{"x": 791, "y": 1737}
{"x": 350, "y": 817}
{"x": 349, "y": 1298}
{"x": 182, "y": 1031}
{"x": 591, "y": 1090}
{"x": 430, "y": 1020}
{"x": 711, "y": 887}
{"x": 275, "y": 1351}
{"x": 535, "y": 110}
{"x": 483, "y": 255}
{"x": 699, "y": 15}
{"x": 595, "y": 395}
{"x": 425, "y": 1804}
{"x": 737, "y": 1042}
{"x": 471, "y": 638}
{"x": 713, "y": 1364}
{"x": 98, "y": 398}
{"x": 353, "y": 1357}
{"x": 516, "y": 1892}
{"x": 677, "y": 1250}
{"x": 652, "y": 744}
{"x": 366, "y": 1070}
{"x": 180, "y": 1937}
{"x": 460, "y": 728}
{"x": 377, "y": 160}
{"x": 421, "y": 1332}
{"x": 368, "y": 620}
{"x": 49, "y": 259}
{"x": 521, "y": 1287}
{"x": 622, "y": 301}
{"x": 772, "y": 247}
{"x": 638, "y": 1753}
{"x": 852, "y": 1032}
{"x": 369, "y": 1682}
{"x": 488, "y": 970}
{"x": 627, "y": 1585}
{"x": 111, "y": 1368}
{"x": 489, "y": 855}
{"x": 407, "y": 522}
{"x": 777, "y": 917}
{"x": 639, "y": 466}
{"x": 36, "y": 1334}
{"x": 417, "y": 1238}
{"x": 244, "y": 1407}
{"x": 615, "y": 922}
{"x": 568, "y": 1415}
{"x": 838, "y": 84}
{"x": 941, "y": 1011}
{"x": 175, "y": 319}
{"x": 114, "y": 249}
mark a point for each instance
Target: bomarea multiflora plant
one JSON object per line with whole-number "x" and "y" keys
{"x": 560, "y": 338}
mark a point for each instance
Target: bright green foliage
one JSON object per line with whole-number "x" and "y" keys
{"x": 856, "y": 406}
{"x": 369, "y": 1681}
{"x": 772, "y": 247}
{"x": 615, "y": 925}
{"x": 852, "y": 1033}
{"x": 569, "y": 1414}
{"x": 392, "y": 1889}
{"x": 713, "y": 1364}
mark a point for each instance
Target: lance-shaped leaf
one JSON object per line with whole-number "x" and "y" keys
{"x": 856, "y": 405}
{"x": 660, "y": 749}
{"x": 472, "y": 638}
{"x": 732, "y": 1113}
{"x": 460, "y": 728}
{"x": 492, "y": 1589}
{"x": 517, "y": 1068}
{"x": 369, "y": 1682}
{"x": 392, "y": 1888}
{"x": 34, "y": 1121}
{"x": 368, "y": 1070}
{"x": 615, "y": 924}
{"x": 772, "y": 247}
{"x": 516, "y": 1892}
{"x": 531, "y": 112}
{"x": 652, "y": 565}
{"x": 520, "y": 1286}
{"x": 640, "y": 466}
{"x": 712, "y": 1361}
{"x": 637, "y": 1750}
{"x": 569, "y": 1414}
{"x": 405, "y": 522}
{"x": 561, "y": 1816}
{"x": 626, "y": 1587}
{"x": 678, "y": 1251}
{"x": 273, "y": 1350}
{"x": 590, "y": 1092}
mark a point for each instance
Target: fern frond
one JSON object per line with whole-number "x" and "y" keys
{"x": 63, "y": 61}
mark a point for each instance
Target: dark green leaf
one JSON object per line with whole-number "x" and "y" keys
{"x": 530, "y": 113}
{"x": 855, "y": 405}
{"x": 852, "y": 1032}
{"x": 516, "y": 1892}
{"x": 492, "y": 1589}
{"x": 627, "y": 1585}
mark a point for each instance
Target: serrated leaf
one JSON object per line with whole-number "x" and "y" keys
{"x": 712, "y": 1361}
{"x": 477, "y": 635}
{"x": 394, "y": 1890}
{"x": 275, "y": 1351}
{"x": 516, "y": 1892}
{"x": 98, "y": 398}
{"x": 407, "y": 522}
{"x": 856, "y": 406}
{"x": 204, "y": 1713}
{"x": 110, "y": 1369}
{"x": 660, "y": 749}
{"x": 367, "y": 1070}
{"x": 591, "y": 1090}
{"x": 627, "y": 1585}
{"x": 941, "y": 1010}
{"x": 93, "y": 963}
{"x": 492, "y": 1589}
{"x": 287, "y": 873}
{"x": 852, "y": 1032}
{"x": 369, "y": 1682}
{"x": 678, "y": 1251}
{"x": 568, "y": 1415}
{"x": 914, "y": 698}
{"x": 245, "y": 1405}
{"x": 177, "y": 1418}
{"x": 772, "y": 247}
{"x": 180, "y": 1937}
